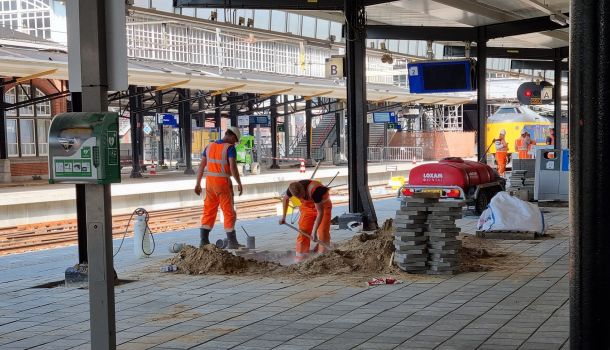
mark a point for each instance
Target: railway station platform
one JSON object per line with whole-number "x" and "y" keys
{"x": 522, "y": 302}
{"x": 35, "y": 202}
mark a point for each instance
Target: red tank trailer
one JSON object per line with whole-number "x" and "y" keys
{"x": 456, "y": 179}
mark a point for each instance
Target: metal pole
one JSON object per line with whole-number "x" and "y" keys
{"x": 274, "y": 132}
{"x": 338, "y": 131}
{"x": 250, "y": 110}
{"x": 133, "y": 118}
{"x": 94, "y": 78}
{"x": 308, "y": 118}
{"x": 557, "y": 100}
{"x": 81, "y": 205}
{"x": 159, "y": 101}
{"x": 217, "y": 112}
{"x": 140, "y": 116}
{"x": 185, "y": 111}
{"x": 286, "y": 128}
{"x": 481, "y": 92}
{"x": 590, "y": 174}
{"x": 3, "y": 145}
{"x": 233, "y": 96}
{"x": 358, "y": 133}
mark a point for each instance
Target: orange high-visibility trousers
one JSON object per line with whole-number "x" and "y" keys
{"x": 306, "y": 222}
{"x": 218, "y": 192}
{"x": 501, "y": 159}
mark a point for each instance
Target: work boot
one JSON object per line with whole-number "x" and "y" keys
{"x": 232, "y": 240}
{"x": 205, "y": 236}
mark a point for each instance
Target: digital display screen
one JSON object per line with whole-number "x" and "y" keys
{"x": 445, "y": 77}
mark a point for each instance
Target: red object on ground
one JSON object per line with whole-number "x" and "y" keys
{"x": 451, "y": 172}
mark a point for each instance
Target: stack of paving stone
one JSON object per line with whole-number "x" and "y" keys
{"x": 410, "y": 239}
{"x": 443, "y": 244}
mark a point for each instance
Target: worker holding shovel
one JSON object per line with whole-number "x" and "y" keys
{"x": 316, "y": 210}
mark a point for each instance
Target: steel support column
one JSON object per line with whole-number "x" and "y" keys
{"x": 3, "y": 145}
{"x": 233, "y": 111}
{"x": 218, "y": 112}
{"x": 590, "y": 175}
{"x": 308, "y": 118}
{"x": 557, "y": 101}
{"x": 274, "y": 140}
{"x": 159, "y": 102}
{"x": 250, "y": 110}
{"x": 481, "y": 94}
{"x": 94, "y": 80}
{"x": 140, "y": 115}
{"x": 81, "y": 209}
{"x": 134, "y": 105}
{"x": 184, "y": 109}
{"x": 286, "y": 127}
{"x": 360, "y": 201}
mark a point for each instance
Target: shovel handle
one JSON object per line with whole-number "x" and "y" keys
{"x": 308, "y": 236}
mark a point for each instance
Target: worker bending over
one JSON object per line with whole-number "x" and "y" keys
{"x": 220, "y": 160}
{"x": 501, "y": 152}
{"x": 524, "y": 144}
{"x": 316, "y": 210}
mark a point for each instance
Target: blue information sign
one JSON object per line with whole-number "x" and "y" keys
{"x": 384, "y": 117}
{"x": 262, "y": 120}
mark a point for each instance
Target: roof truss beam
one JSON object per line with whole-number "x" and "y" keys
{"x": 511, "y": 52}
{"x": 490, "y": 31}
{"x": 319, "y": 5}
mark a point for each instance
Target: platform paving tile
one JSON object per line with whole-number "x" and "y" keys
{"x": 493, "y": 310}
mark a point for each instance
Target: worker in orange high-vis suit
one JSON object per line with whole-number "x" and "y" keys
{"x": 220, "y": 160}
{"x": 501, "y": 152}
{"x": 524, "y": 144}
{"x": 316, "y": 210}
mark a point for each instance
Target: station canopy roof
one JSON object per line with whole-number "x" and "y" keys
{"x": 469, "y": 13}
{"x": 21, "y": 62}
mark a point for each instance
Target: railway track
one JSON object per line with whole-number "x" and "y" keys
{"x": 53, "y": 234}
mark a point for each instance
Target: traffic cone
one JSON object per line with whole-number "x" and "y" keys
{"x": 302, "y": 168}
{"x": 153, "y": 170}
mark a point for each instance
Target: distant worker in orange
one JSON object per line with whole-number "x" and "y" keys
{"x": 220, "y": 160}
{"x": 501, "y": 152}
{"x": 524, "y": 144}
{"x": 316, "y": 210}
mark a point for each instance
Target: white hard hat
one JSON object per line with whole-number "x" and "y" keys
{"x": 523, "y": 131}
{"x": 502, "y": 132}
{"x": 235, "y": 130}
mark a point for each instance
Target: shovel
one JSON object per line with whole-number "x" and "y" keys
{"x": 309, "y": 236}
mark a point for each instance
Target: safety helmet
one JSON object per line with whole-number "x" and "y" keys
{"x": 523, "y": 132}
{"x": 235, "y": 130}
{"x": 502, "y": 132}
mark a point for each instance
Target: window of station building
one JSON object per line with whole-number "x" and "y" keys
{"x": 294, "y": 24}
{"x": 27, "y": 128}
{"x": 12, "y": 140}
{"x": 188, "y": 11}
{"x": 309, "y": 27}
{"x": 262, "y": 19}
{"x": 393, "y": 45}
{"x": 26, "y": 136}
{"x": 278, "y": 21}
{"x": 322, "y": 29}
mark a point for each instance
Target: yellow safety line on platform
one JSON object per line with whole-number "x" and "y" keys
{"x": 232, "y": 88}
{"x": 272, "y": 93}
{"x": 307, "y": 98}
{"x": 171, "y": 85}
{"x": 36, "y": 75}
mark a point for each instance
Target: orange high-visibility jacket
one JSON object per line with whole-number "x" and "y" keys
{"x": 217, "y": 161}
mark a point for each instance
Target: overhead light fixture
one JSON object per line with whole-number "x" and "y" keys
{"x": 250, "y": 23}
{"x": 242, "y": 21}
{"x": 213, "y": 16}
{"x": 558, "y": 19}
{"x": 382, "y": 46}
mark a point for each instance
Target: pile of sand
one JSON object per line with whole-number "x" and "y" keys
{"x": 364, "y": 254}
{"x": 213, "y": 260}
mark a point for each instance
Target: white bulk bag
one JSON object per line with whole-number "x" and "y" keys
{"x": 508, "y": 213}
